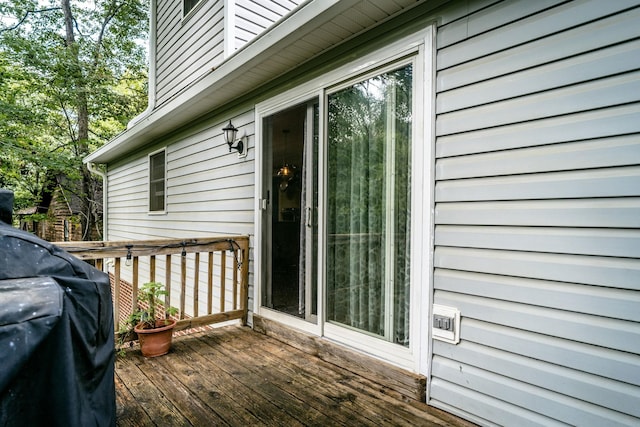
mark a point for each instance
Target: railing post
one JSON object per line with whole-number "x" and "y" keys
{"x": 244, "y": 289}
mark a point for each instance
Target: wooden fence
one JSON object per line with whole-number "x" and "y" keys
{"x": 210, "y": 275}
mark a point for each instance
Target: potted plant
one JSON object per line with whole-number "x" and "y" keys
{"x": 154, "y": 332}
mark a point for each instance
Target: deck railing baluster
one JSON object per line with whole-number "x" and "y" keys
{"x": 116, "y": 294}
{"x": 183, "y": 284}
{"x": 223, "y": 279}
{"x": 134, "y": 284}
{"x": 196, "y": 283}
{"x": 235, "y": 279}
{"x": 167, "y": 297}
{"x": 152, "y": 268}
{"x": 210, "y": 284}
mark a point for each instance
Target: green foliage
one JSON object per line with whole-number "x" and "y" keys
{"x": 66, "y": 90}
{"x": 38, "y": 217}
{"x": 150, "y": 297}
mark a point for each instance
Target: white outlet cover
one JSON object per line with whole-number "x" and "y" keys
{"x": 452, "y": 337}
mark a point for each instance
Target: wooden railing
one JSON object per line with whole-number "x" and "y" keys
{"x": 209, "y": 275}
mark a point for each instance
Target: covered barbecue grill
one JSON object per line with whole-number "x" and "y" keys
{"x": 56, "y": 334}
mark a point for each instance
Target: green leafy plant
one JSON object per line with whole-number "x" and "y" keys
{"x": 146, "y": 314}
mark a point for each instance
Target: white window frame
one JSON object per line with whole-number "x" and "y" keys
{"x": 186, "y": 14}
{"x": 418, "y": 50}
{"x": 164, "y": 202}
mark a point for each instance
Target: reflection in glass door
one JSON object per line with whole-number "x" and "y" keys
{"x": 291, "y": 191}
{"x": 368, "y": 205}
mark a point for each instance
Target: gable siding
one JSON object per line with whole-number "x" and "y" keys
{"x": 537, "y": 216}
{"x": 255, "y": 16}
{"x": 186, "y": 48}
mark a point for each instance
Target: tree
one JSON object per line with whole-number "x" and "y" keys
{"x": 73, "y": 74}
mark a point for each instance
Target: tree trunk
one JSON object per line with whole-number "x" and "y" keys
{"x": 88, "y": 219}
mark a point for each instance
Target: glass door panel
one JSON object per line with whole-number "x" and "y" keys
{"x": 291, "y": 141}
{"x": 368, "y": 205}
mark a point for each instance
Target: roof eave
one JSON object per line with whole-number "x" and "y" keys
{"x": 205, "y": 95}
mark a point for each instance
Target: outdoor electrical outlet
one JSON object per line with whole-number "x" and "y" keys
{"x": 445, "y": 324}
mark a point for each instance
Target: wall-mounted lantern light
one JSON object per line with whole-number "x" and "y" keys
{"x": 230, "y": 132}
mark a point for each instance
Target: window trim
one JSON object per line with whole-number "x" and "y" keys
{"x": 149, "y": 182}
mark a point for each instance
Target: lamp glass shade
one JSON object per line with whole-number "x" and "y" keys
{"x": 230, "y": 132}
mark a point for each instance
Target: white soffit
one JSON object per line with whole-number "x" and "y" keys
{"x": 319, "y": 25}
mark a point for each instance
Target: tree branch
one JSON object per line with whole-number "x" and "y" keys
{"x": 103, "y": 28}
{"x": 26, "y": 15}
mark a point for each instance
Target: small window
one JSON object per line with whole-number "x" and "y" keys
{"x": 188, "y": 6}
{"x": 157, "y": 181}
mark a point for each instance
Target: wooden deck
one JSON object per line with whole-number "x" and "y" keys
{"x": 235, "y": 376}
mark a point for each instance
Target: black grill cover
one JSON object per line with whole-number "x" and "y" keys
{"x": 56, "y": 336}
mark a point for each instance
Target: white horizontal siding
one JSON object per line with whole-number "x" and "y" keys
{"x": 621, "y": 366}
{"x": 589, "y": 270}
{"x": 209, "y": 190}
{"x": 578, "y": 40}
{"x": 585, "y": 386}
{"x": 488, "y": 18}
{"x": 573, "y": 297}
{"x": 581, "y": 126}
{"x": 616, "y": 90}
{"x": 558, "y": 407}
{"x": 598, "y": 213}
{"x": 601, "y": 331}
{"x": 603, "y": 152}
{"x": 611, "y": 61}
{"x": 614, "y": 182}
{"x": 482, "y": 408}
{"x": 605, "y": 242}
{"x": 537, "y": 215}
{"x": 514, "y": 32}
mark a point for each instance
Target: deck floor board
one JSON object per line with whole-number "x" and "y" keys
{"x": 237, "y": 377}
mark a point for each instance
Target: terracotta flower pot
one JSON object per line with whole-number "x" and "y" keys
{"x": 157, "y": 341}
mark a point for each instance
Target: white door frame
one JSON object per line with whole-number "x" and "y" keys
{"x": 419, "y": 46}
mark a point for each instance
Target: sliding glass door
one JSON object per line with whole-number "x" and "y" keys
{"x": 360, "y": 263}
{"x": 346, "y": 203}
